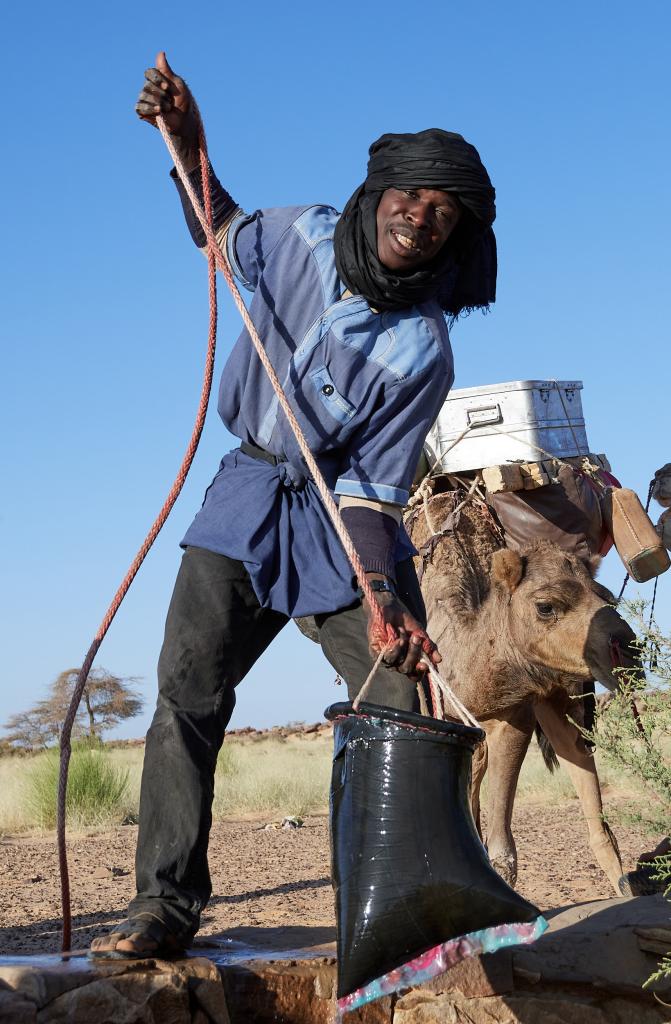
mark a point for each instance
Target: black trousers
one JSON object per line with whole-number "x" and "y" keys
{"x": 215, "y": 631}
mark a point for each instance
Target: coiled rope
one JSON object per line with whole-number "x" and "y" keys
{"x": 382, "y": 634}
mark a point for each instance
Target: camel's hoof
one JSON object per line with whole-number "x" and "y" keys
{"x": 507, "y": 869}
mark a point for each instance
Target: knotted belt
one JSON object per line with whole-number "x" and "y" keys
{"x": 293, "y": 477}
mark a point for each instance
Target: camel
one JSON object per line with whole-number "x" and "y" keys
{"x": 521, "y": 633}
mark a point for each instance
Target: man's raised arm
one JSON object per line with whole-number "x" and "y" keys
{"x": 166, "y": 94}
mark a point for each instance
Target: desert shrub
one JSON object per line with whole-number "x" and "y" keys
{"x": 663, "y": 874}
{"x": 96, "y": 788}
{"x": 639, "y": 741}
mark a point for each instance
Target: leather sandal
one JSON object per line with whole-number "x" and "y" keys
{"x": 146, "y": 935}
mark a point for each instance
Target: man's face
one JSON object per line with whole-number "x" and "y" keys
{"x": 413, "y": 225}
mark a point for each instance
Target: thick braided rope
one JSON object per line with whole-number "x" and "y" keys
{"x": 66, "y": 732}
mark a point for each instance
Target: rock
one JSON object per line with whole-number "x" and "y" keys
{"x": 16, "y": 1009}
{"x": 263, "y": 991}
{"x": 654, "y": 940}
{"x": 101, "y": 872}
{"x": 595, "y": 944}
{"x": 42, "y": 985}
{"x": 77, "y": 991}
{"x": 554, "y": 1008}
{"x": 125, "y": 999}
{"x": 476, "y": 977}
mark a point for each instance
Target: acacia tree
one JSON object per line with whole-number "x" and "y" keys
{"x": 107, "y": 700}
{"x": 32, "y": 729}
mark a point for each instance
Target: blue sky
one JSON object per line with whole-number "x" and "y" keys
{"x": 105, "y": 301}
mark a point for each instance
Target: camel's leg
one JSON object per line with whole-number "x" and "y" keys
{"x": 507, "y": 743}
{"x": 479, "y": 767}
{"x": 573, "y": 754}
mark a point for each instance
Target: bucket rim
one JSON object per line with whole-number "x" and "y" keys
{"x": 407, "y": 719}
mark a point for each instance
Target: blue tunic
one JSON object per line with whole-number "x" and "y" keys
{"x": 365, "y": 388}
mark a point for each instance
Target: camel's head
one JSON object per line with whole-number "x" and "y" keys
{"x": 560, "y": 618}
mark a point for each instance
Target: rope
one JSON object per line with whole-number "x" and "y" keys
{"x": 566, "y": 414}
{"x": 426, "y": 491}
{"x": 438, "y": 686}
{"x": 361, "y": 695}
{"x": 66, "y": 732}
{"x": 451, "y": 445}
{"x": 554, "y": 458}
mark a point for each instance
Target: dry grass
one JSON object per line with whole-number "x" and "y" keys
{"x": 274, "y": 777}
{"x": 270, "y": 777}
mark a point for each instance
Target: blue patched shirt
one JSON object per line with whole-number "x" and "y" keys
{"x": 365, "y": 387}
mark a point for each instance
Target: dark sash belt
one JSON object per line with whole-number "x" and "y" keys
{"x": 255, "y": 452}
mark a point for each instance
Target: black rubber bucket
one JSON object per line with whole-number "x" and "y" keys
{"x": 414, "y": 889}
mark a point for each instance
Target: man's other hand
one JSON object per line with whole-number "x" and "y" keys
{"x": 412, "y": 649}
{"x": 167, "y": 94}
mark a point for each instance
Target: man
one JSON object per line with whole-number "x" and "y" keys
{"x": 351, "y": 312}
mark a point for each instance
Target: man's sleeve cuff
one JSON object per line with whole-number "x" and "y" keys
{"x": 365, "y": 489}
{"x": 374, "y": 536}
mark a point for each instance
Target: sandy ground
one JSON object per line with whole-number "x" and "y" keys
{"x": 264, "y": 878}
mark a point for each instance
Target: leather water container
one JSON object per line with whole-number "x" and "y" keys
{"x": 409, "y": 870}
{"x": 638, "y": 543}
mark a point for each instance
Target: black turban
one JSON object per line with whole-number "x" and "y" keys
{"x": 462, "y": 275}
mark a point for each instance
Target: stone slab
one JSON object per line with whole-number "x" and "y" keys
{"x": 596, "y": 944}
{"x": 587, "y": 969}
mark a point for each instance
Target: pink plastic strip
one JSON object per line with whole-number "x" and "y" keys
{"x": 440, "y": 958}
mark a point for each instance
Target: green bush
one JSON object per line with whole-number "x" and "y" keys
{"x": 96, "y": 788}
{"x": 641, "y": 744}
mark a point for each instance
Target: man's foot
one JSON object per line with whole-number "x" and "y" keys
{"x": 137, "y": 938}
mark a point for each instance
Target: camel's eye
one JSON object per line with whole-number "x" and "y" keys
{"x": 546, "y": 610}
